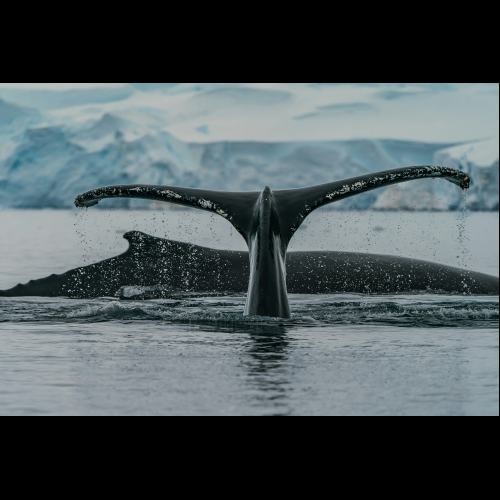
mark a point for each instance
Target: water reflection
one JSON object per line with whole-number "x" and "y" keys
{"x": 265, "y": 359}
{"x": 338, "y": 355}
{"x": 268, "y": 369}
{"x": 144, "y": 367}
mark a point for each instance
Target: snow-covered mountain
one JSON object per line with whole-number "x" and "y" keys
{"x": 244, "y": 137}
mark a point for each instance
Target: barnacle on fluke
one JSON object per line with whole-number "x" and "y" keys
{"x": 267, "y": 220}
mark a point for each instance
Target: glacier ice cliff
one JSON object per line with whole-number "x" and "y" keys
{"x": 58, "y": 140}
{"x": 51, "y": 164}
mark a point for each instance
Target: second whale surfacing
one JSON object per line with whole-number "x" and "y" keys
{"x": 166, "y": 268}
{"x": 267, "y": 221}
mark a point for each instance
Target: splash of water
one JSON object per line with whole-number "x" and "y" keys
{"x": 420, "y": 311}
{"x": 464, "y": 257}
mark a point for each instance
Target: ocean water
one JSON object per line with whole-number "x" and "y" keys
{"x": 348, "y": 354}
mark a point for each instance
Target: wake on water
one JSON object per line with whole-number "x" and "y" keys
{"x": 423, "y": 311}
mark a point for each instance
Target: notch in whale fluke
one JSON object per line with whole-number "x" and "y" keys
{"x": 267, "y": 220}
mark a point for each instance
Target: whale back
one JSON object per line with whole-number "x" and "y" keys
{"x": 151, "y": 261}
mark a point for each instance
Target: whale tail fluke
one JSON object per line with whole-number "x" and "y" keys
{"x": 292, "y": 205}
{"x": 236, "y": 207}
{"x": 267, "y": 220}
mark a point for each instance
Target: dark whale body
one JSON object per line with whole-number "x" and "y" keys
{"x": 184, "y": 267}
{"x": 267, "y": 221}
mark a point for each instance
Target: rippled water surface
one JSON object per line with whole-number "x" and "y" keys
{"x": 194, "y": 354}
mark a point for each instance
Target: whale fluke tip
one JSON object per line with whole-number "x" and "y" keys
{"x": 85, "y": 204}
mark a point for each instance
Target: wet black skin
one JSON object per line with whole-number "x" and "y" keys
{"x": 151, "y": 261}
{"x": 267, "y": 295}
{"x": 267, "y": 221}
